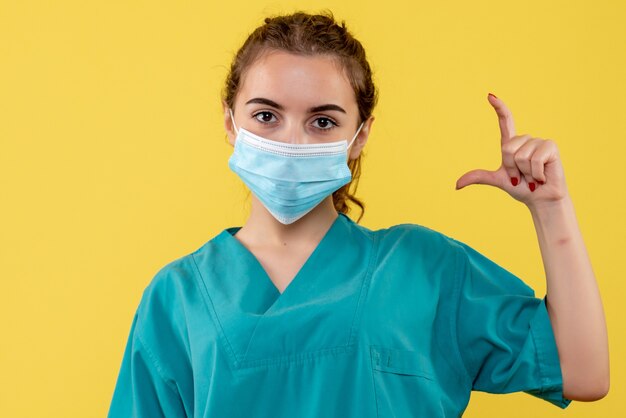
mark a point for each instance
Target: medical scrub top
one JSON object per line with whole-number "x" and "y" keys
{"x": 396, "y": 322}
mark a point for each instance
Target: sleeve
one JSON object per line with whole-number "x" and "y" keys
{"x": 504, "y": 333}
{"x": 141, "y": 391}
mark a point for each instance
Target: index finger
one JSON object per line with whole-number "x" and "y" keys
{"x": 505, "y": 118}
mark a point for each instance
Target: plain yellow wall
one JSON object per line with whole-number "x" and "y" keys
{"x": 113, "y": 160}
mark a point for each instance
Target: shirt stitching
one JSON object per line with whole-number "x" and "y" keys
{"x": 458, "y": 283}
{"x": 213, "y": 313}
{"x": 364, "y": 286}
{"x": 157, "y": 366}
{"x": 539, "y": 358}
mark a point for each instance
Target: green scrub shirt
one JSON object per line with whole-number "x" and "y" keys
{"x": 397, "y": 322}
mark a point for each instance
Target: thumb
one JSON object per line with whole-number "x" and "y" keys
{"x": 478, "y": 177}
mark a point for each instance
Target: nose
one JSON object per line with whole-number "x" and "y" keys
{"x": 294, "y": 134}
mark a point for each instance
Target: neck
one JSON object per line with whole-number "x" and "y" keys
{"x": 265, "y": 230}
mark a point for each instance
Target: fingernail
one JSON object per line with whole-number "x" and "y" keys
{"x": 531, "y": 186}
{"x": 491, "y": 94}
{"x": 514, "y": 181}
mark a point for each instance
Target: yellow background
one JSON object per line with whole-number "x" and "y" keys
{"x": 113, "y": 160}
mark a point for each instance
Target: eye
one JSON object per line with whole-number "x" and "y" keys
{"x": 324, "y": 123}
{"x": 265, "y": 116}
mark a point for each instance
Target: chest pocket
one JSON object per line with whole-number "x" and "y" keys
{"x": 404, "y": 383}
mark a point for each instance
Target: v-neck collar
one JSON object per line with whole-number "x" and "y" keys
{"x": 317, "y": 312}
{"x": 262, "y": 275}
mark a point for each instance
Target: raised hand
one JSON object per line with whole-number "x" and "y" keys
{"x": 531, "y": 169}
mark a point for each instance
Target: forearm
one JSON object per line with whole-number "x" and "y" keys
{"x": 573, "y": 301}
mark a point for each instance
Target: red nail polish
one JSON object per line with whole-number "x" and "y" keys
{"x": 514, "y": 181}
{"x": 491, "y": 94}
{"x": 531, "y": 186}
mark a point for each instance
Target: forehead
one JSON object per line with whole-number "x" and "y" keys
{"x": 297, "y": 80}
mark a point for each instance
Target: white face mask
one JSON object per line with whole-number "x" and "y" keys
{"x": 290, "y": 179}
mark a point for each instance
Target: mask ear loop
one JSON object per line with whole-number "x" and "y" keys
{"x": 355, "y": 135}
{"x": 232, "y": 117}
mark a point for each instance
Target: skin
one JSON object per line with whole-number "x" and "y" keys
{"x": 573, "y": 298}
{"x": 297, "y": 83}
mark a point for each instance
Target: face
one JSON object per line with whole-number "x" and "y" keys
{"x": 297, "y": 99}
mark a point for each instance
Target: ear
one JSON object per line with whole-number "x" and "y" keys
{"x": 361, "y": 138}
{"x": 228, "y": 124}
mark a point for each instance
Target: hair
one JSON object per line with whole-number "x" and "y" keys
{"x": 312, "y": 34}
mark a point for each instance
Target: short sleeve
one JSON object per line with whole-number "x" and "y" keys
{"x": 141, "y": 391}
{"x": 504, "y": 332}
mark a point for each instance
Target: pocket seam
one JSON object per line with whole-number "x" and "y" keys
{"x": 400, "y": 362}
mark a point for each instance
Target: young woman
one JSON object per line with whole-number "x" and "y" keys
{"x": 302, "y": 312}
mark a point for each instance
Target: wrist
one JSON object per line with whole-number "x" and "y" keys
{"x": 555, "y": 222}
{"x": 551, "y": 208}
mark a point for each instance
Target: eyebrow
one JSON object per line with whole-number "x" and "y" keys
{"x": 272, "y": 103}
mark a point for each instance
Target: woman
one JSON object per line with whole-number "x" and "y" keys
{"x": 302, "y": 312}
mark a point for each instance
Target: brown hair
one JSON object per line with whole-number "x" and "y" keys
{"x": 305, "y": 34}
